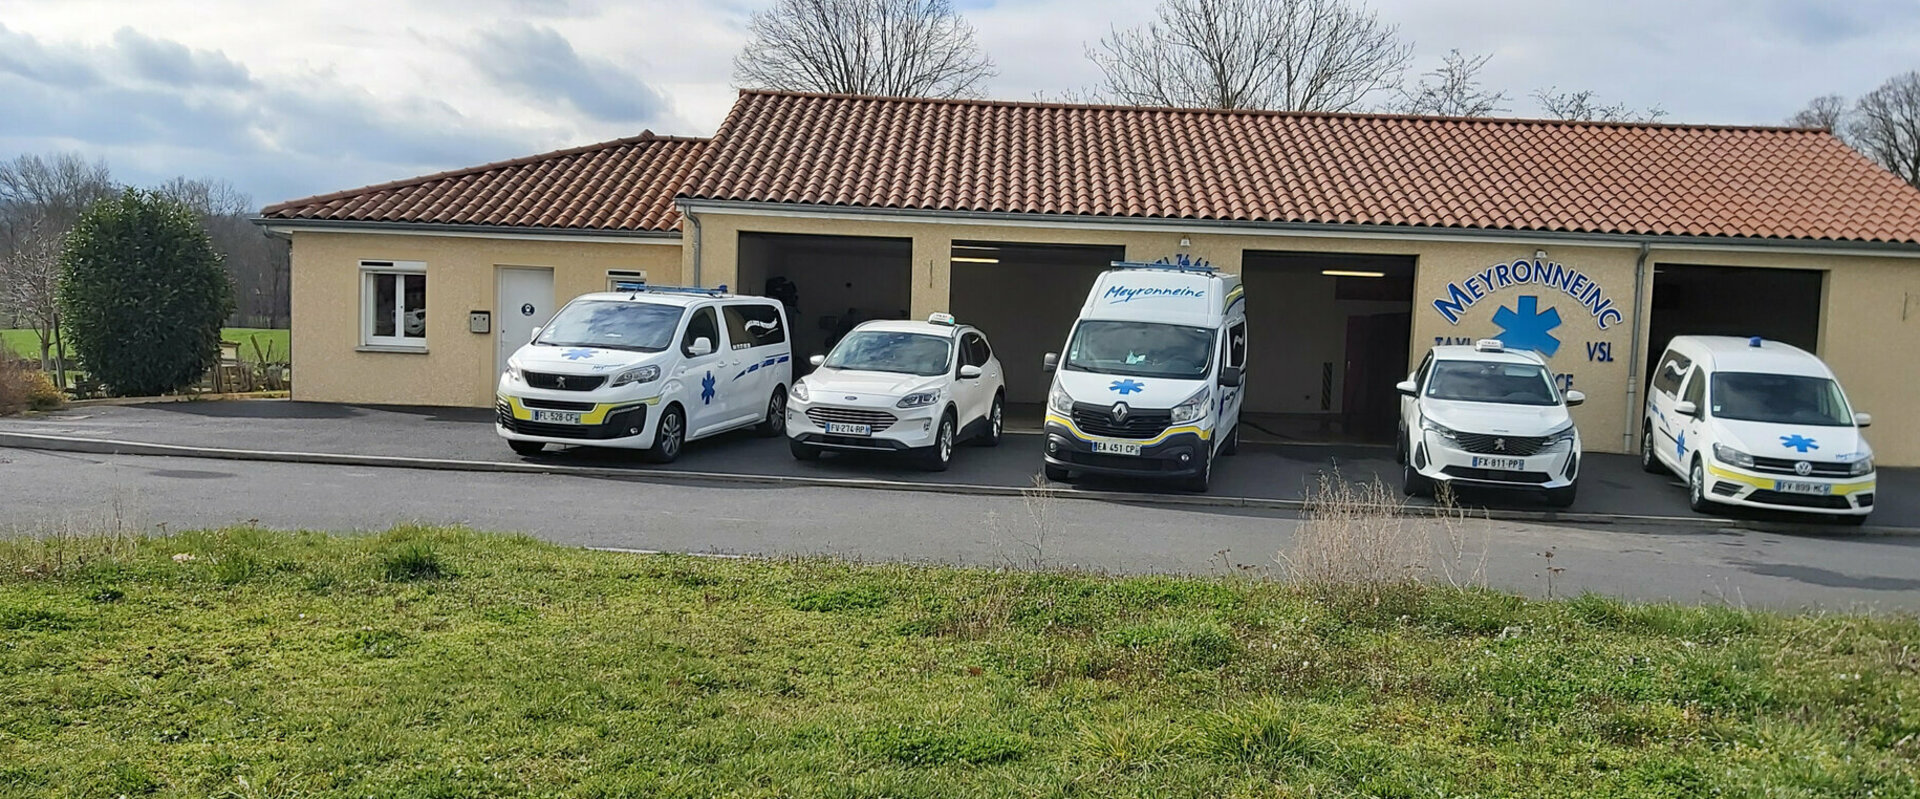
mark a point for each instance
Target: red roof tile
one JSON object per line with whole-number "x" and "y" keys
{"x": 1535, "y": 175}
{"x": 625, "y": 184}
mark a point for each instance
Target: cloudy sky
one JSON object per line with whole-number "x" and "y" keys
{"x": 288, "y": 99}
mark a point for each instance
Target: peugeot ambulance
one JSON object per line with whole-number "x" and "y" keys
{"x": 1150, "y": 383}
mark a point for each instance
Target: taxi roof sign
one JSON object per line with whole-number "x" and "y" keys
{"x": 941, "y": 319}
{"x": 1489, "y": 345}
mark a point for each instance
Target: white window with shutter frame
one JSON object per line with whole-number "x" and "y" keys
{"x": 393, "y": 305}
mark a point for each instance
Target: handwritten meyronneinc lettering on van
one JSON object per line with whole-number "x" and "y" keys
{"x": 1119, "y": 294}
{"x": 1462, "y": 295}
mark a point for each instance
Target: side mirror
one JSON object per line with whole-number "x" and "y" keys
{"x": 701, "y": 346}
{"x": 1685, "y": 408}
{"x": 817, "y": 360}
{"x": 1230, "y": 376}
{"x": 970, "y": 372}
{"x": 535, "y": 336}
{"x": 1406, "y": 388}
{"x": 1863, "y": 419}
{"x": 1051, "y": 362}
{"x": 1575, "y": 397}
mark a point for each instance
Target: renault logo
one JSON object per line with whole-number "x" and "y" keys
{"x": 1500, "y": 444}
{"x": 1119, "y": 413}
{"x": 1803, "y": 468}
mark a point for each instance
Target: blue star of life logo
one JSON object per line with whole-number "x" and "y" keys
{"x": 577, "y": 353}
{"x": 707, "y": 390}
{"x": 1526, "y": 327}
{"x": 1126, "y": 387}
{"x": 1680, "y": 447}
{"x": 1799, "y": 442}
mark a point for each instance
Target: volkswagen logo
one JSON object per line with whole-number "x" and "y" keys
{"x": 1500, "y": 444}
{"x": 1119, "y": 413}
{"x": 1803, "y": 468}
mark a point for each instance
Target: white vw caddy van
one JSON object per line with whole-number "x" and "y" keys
{"x": 1757, "y": 423}
{"x": 1150, "y": 384}
{"x": 650, "y": 370}
{"x": 1487, "y": 417}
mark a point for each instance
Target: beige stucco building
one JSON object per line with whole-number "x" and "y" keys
{"x": 1363, "y": 240}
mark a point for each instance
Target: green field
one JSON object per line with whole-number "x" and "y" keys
{"x": 26, "y": 344}
{"x": 438, "y": 662}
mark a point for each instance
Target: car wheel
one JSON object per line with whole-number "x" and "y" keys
{"x": 1202, "y": 479}
{"x": 996, "y": 423}
{"x": 1414, "y": 483}
{"x": 1232, "y": 445}
{"x": 1400, "y": 448}
{"x": 1562, "y": 497}
{"x": 776, "y": 421}
{"x": 803, "y": 452}
{"x": 1057, "y": 474}
{"x": 939, "y": 456}
{"x": 1697, "y": 488}
{"x": 527, "y": 448}
{"x": 671, "y": 437}
{"x": 1649, "y": 462}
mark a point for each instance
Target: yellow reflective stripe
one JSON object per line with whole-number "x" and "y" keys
{"x": 1231, "y": 295}
{"x": 1205, "y": 435}
{"x": 1839, "y": 489}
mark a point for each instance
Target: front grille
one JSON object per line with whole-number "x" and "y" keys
{"x": 1488, "y": 444}
{"x": 556, "y": 405}
{"x": 1496, "y": 475}
{"x": 1098, "y": 420}
{"x": 877, "y": 420}
{"x": 1767, "y": 497}
{"x": 565, "y": 382}
{"x": 1785, "y": 466}
{"x": 620, "y": 424}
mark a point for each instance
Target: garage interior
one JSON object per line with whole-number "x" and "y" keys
{"x": 1778, "y": 304}
{"x": 1329, "y": 336}
{"x": 1025, "y": 298}
{"x": 828, "y": 283}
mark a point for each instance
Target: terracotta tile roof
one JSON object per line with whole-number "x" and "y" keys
{"x": 624, "y": 184}
{"x": 1535, "y": 175}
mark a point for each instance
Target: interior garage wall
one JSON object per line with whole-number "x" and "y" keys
{"x": 833, "y": 274}
{"x": 1026, "y": 310}
{"x": 1778, "y": 304}
{"x": 1297, "y": 325}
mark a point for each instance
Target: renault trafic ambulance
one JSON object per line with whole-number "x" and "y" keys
{"x": 648, "y": 369}
{"x": 1757, "y": 423}
{"x": 1150, "y": 383}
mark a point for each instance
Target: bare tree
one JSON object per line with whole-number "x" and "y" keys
{"x": 1583, "y": 105}
{"x": 257, "y": 263}
{"x": 1453, "y": 89}
{"x": 1296, "y": 55}
{"x": 895, "y": 48}
{"x": 1827, "y": 112}
{"x": 29, "y": 278}
{"x": 1886, "y": 126}
{"x": 40, "y": 198}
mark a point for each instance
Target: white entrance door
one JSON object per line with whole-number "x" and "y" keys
{"x": 526, "y": 302}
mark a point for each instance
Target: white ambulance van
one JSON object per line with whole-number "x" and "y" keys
{"x": 648, "y": 369}
{"x": 1757, "y": 423}
{"x": 1150, "y": 383}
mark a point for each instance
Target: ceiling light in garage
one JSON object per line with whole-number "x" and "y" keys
{"x": 1350, "y": 273}
{"x": 963, "y": 260}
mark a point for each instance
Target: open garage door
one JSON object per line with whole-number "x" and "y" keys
{"x": 1025, "y": 297}
{"x": 1778, "y": 304}
{"x": 829, "y": 283}
{"x": 1329, "y": 337}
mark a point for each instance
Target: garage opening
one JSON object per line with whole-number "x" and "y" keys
{"x": 1779, "y": 304}
{"x": 1329, "y": 336}
{"x": 1025, "y": 297}
{"x": 828, "y": 283}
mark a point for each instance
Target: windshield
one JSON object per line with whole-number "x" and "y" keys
{"x": 614, "y": 325}
{"x": 884, "y": 351}
{"x": 1784, "y": 399}
{"x": 1141, "y": 349}
{"x": 1485, "y": 381}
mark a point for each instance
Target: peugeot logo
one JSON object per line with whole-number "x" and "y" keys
{"x": 1803, "y": 468}
{"x": 1500, "y": 444}
{"x": 560, "y": 381}
{"x": 1119, "y": 413}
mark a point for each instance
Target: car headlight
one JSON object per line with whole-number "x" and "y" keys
{"x": 1194, "y": 408}
{"x": 644, "y": 374}
{"x": 918, "y": 399}
{"x": 801, "y": 392}
{"x": 1438, "y": 429}
{"x": 1563, "y": 435}
{"x": 1058, "y": 401}
{"x": 1729, "y": 455}
{"x": 514, "y": 373}
{"x": 1862, "y": 466}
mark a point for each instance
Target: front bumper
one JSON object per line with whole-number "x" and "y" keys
{"x": 1731, "y": 485}
{"x": 904, "y": 428}
{"x": 623, "y": 424}
{"x": 1437, "y": 458}
{"x": 1177, "y": 452}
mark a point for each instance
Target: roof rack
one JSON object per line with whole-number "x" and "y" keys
{"x": 1182, "y": 263}
{"x": 654, "y": 288}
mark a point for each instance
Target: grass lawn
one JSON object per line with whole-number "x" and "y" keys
{"x": 437, "y": 662}
{"x": 26, "y": 344}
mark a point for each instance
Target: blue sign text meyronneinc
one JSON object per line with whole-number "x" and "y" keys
{"x": 1525, "y": 272}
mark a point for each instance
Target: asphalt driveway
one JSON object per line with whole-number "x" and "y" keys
{"x": 1610, "y": 484}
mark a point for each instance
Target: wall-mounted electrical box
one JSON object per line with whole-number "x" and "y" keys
{"x": 480, "y": 321}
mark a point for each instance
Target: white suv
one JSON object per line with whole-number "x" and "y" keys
{"x": 1756, "y": 423}
{"x": 1486, "y": 416}
{"x": 912, "y": 387}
